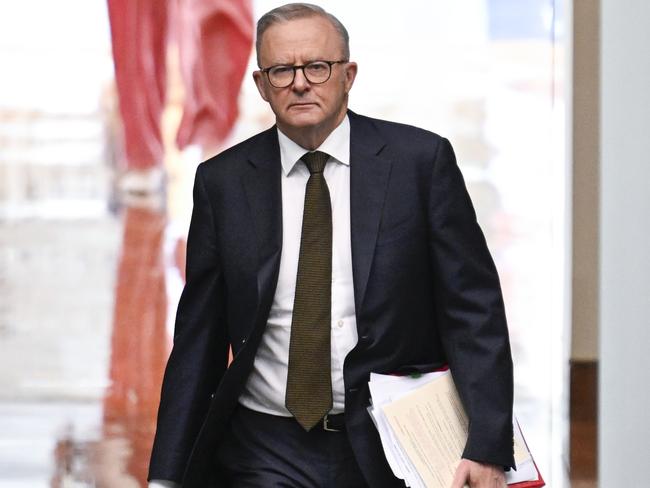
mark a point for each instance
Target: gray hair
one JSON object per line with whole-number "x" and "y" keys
{"x": 292, "y": 11}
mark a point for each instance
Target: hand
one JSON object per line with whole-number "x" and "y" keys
{"x": 478, "y": 475}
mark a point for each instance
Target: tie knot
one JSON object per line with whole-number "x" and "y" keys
{"x": 315, "y": 161}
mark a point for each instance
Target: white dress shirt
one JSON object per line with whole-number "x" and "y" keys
{"x": 266, "y": 386}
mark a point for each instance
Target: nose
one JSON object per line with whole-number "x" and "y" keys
{"x": 300, "y": 82}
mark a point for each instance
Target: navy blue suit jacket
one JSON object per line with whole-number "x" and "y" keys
{"x": 425, "y": 287}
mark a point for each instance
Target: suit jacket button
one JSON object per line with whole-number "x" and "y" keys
{"x": 243, "y": 341}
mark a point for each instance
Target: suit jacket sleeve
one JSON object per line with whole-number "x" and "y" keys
{"x": 200, "y": 352}
{"x": 471, "y": 314}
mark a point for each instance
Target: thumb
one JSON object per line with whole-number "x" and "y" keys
{"x": 461, "y": 475}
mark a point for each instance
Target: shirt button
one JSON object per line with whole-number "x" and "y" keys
{"x": 340, "y": 323}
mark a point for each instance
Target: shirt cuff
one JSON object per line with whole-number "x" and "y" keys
{"x": 163, "y": 484}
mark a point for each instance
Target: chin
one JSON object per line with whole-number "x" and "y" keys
{"x": 304, "y": 120}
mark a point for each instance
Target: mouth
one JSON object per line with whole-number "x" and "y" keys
{"x": 302, "y": 105}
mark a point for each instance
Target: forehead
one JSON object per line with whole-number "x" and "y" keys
{"x": 300, "y": 40}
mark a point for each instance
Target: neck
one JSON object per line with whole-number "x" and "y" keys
{"x": 312, "y": 137}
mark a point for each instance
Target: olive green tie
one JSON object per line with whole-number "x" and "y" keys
{"x": 309, "y": 383}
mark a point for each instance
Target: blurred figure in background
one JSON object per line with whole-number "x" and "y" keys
{"x": 214, "y": 39}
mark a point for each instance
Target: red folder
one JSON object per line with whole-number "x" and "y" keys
{"x": 530, "y": 484}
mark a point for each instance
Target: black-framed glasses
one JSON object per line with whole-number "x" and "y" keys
{"x": 316, "y": 72}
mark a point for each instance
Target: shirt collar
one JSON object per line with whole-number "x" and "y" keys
{"x": 337, "y": 145}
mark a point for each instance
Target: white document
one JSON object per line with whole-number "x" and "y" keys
{"x": 423, "y": 429}
{"x": 385, "y": 389}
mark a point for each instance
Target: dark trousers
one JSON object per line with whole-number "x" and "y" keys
{"x": 267, "y": 451}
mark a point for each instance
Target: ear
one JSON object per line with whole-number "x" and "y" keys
{"x": 350, "y": 75}
{"x": 261, "y": 84}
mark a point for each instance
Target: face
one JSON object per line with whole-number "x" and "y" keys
{"x": 303, "y": 106}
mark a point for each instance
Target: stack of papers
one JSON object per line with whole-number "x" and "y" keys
{"x": 423, "y": 430}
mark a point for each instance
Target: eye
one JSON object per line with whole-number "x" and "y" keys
{"x": 281, "y": 70}
{"x": 317, "y": 67}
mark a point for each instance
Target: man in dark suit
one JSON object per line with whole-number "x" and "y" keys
{"x": 325, "y": 248}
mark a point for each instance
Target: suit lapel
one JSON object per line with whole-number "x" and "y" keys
{"x": 369, "y": 175}
{"x": 261, "y": 180}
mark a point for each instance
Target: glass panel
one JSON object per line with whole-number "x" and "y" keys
{"x": 85, "y": 319}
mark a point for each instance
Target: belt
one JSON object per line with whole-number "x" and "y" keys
{"x": 333, "y": 423}
{"x": 329, "y": 423}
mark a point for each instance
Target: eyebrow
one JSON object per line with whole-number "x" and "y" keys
{"x": 307, "y": 61}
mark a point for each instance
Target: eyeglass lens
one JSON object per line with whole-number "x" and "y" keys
{"x": 316, "y": 72}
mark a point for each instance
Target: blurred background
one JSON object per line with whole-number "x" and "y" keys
{"x": 106, "y": 109}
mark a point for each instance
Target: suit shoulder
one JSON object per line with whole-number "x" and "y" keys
{"x": 403, "y": 141}
{"x": 235, "y": 155}
{"x": 398, "y": 132}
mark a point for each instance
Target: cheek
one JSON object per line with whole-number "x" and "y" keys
{"x": 333, "y": 96}
{"x": 277, "y": 101}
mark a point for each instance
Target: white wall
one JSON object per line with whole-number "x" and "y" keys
{"x": 624, "y": 422}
